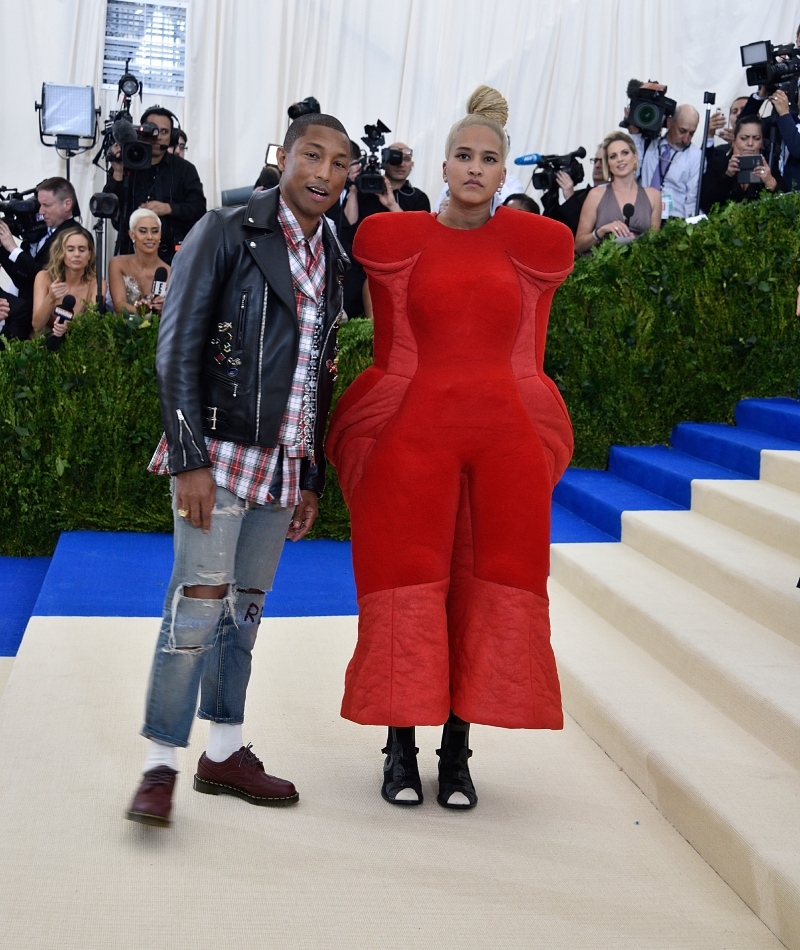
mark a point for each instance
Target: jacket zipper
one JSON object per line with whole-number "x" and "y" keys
{"x": 223, "y": 379}
{"x": 242, "y": 319}
{"x": 261, "y": 357}
{"x": 181, "y": 423}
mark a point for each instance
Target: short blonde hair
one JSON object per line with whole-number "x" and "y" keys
{"x": 486, "y": 106}
{"x": 618, "y": 136}
{"x": 139, "y": 214}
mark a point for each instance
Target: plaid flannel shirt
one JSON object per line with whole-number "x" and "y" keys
{"x": 250, "y": 471}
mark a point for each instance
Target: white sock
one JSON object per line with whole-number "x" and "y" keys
{"x": 160, "y": 754}
{"x": 224, "y": 738}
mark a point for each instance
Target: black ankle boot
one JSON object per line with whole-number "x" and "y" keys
{"x": 453, "y": 765}
{"x": 400, "y": 768}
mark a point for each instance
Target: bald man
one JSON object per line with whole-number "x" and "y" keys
{"x": 672, "y": 164}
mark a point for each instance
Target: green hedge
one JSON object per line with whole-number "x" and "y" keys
{"x": 679, "y": 325}
{"x": 77, "y": 429}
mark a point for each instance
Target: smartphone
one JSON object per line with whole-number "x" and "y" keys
{"x": 746, "y": 165}
{"x": 271, "y": 158}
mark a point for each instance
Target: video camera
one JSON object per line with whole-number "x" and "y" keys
{"x": 307, "y": 106}
{"x": 550, "y": 165}
{"x": 369, "y": 180}
{"x": 21, "y": 214}
{"x": 649, "y": 109}
{"x": 776, "y": 67}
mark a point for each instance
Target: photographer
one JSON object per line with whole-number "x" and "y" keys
{"x": 788, "y": 122}
{"x": 569, "y": 212}
{"x": 58, "y": 208}
{"x": 717, "y": 124}
{"x": 170, "y": 186}
{"x": 398, "y": 195}
{"x": 725, "y": 180}
{"x": 672, "y": 164}
{"x": 787, "y": 125}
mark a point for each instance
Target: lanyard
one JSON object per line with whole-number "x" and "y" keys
{"x": 663, "y": 172}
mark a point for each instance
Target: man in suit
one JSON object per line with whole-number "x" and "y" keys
{"x": 246, "y": 362}
{"x": 58, "y": 208}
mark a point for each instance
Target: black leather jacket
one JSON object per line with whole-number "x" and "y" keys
{"x": 229, "y": 336}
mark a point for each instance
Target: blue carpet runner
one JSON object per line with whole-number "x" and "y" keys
{"x": 659, "y": 477}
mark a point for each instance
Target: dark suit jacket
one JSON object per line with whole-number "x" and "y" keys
{"x": 23, "y": 273}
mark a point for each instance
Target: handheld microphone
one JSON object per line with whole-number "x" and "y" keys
{"x": 159, "y": 282}
{"x": 63, "y": 313}
{"x": 533, "y": 158}
{"x": 66, "y": 310}
{"x": 628, "y": 211}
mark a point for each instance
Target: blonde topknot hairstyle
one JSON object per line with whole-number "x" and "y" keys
{"x": 486, "y": 106}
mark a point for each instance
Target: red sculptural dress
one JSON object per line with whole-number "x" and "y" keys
{"x": 447, "y": 450}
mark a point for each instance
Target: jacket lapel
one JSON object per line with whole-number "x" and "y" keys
{"x": 264, "y": 240}
{"x": 336, "y": 266}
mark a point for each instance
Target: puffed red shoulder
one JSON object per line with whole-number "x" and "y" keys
{"x": 389, "y": 238}
{"x": 537, "y": 242}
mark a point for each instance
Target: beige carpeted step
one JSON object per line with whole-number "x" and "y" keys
{"x": 759, "y": 509}
{"x": 563, "y": 851}
{"x": 733, "y": 799}
{"x": 746, "y": 574}
{"x": 6, "y": 662}
{"x": 748, "y": 671}
{"x": 781, "y": 468}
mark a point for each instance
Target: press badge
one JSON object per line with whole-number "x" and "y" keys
{"x": 666, "y": 205}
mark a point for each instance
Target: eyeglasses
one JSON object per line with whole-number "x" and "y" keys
{"x": 407, "y": 156}
{"x": 597, "y": 161}
{"x": 181, "y": 148}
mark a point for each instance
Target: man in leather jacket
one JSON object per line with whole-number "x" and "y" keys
{"x": 246, "y": 362}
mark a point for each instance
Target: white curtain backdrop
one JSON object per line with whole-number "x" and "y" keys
{"x": 562, "y": 64}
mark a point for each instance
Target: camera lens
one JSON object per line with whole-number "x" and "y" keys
{"x": 137, "y": 156}
{"x": 645, "y": 116}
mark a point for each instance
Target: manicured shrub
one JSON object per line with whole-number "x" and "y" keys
{"x": 679, "y": 325}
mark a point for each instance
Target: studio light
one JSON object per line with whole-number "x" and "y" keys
{"x": 67, "y": 110}
{"x": 67, "y": 114}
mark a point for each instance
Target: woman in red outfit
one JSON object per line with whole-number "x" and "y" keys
{"x": 447, "y": 450}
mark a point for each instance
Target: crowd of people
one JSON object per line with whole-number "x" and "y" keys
{"x": 158, "y": 207}
{"x": 638, "y": 180}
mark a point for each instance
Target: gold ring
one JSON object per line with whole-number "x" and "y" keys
{"x": 183, "y": 512}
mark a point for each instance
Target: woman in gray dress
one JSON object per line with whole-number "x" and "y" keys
{"x": 622, "y": 209}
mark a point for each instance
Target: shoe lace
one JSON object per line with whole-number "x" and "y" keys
{"x": 248, "y": 759}
{"x": 162, "y": 775}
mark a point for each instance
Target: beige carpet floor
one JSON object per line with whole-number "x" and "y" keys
{"x": 563, "y": 851}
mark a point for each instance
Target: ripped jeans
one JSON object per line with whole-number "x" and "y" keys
{"x": 207, "y": 645}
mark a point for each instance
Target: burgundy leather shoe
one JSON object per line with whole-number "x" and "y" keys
{"x": 243, "y": 775}
{"x": 152, "y": 802}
